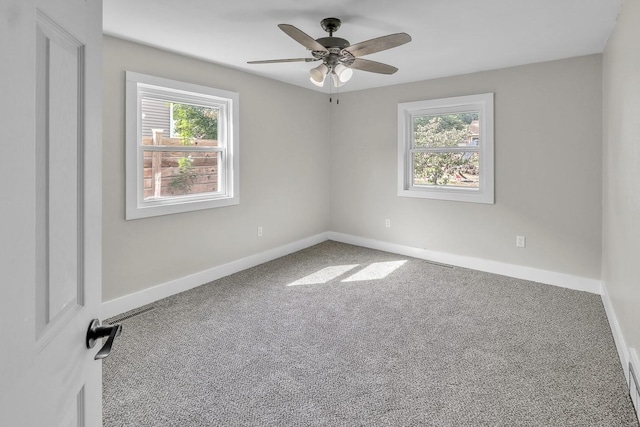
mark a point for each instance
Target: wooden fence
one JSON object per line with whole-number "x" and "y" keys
{"x": 175, "y": 173}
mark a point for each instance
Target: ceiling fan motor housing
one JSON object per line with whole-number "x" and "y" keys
{"x": 330, "y": 25}
{"x": 334, "y": 56}
{"x": 331, "y": 42}
{"x": 334, "y": 45}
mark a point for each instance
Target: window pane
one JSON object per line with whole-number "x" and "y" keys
{"x": 446, "y": 130}
{"x": 155, "y": 115}
{"x": 179, "y": 173}
{"x": 180, "y": 123}
{"x": 458, "y": 169}
{"x": 193, "y": 122}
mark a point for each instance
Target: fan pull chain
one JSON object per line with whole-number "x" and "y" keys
{"x": 337, "y": 95}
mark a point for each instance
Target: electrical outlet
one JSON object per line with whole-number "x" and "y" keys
{"x": 259, "y": 231}
{"x": 520, "y": 241}
{"x": 387, "y": 223}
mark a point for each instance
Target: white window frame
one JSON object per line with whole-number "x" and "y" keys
{"x": 483, "y": 103}
{"x": 139, "y": 85}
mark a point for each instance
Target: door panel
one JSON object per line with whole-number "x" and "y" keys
{"x": 50, "y": 223}
{"x": 59, "y": 207}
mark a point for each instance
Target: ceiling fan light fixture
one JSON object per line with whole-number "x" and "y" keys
{"x": 336, "y": 80}
{"x": 319, "y": 84}
{"x": 344, "y": 73}
{"x": 318, "y": 74}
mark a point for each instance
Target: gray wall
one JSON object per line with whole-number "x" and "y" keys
{"x": 283, "y": 180}
{"x": 296, "y": 182}
{"x": 621, "y": 191}
{"x": 547, "y": 169}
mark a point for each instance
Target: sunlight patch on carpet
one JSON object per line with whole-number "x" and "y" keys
{"x": 324, "y": 275}
{"x": 373, "y": 271}
{"x": 376, "y": 271}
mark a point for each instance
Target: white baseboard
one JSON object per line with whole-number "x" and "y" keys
{"x": 618, "y": 338}
{"x": 520, "y": 272}
{"x": 628, "y": 356}
{"x": 634, "y": 390}
{"x": 155, "y": 293}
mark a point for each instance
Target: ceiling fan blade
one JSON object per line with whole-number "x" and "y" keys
{"x": 302, "y": 38}
{"x": 275, "y": 61}
{"x": 378, "y": 44}
{"x": 373, "y": 66}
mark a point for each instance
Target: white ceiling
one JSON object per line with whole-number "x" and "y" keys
{"x": 450, "y": 37}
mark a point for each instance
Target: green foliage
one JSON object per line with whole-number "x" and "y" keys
{"x": 195, "y": 122}
{"x": 439, "y": 131}
{"x": 450, "y": 130}
{"x": 181, "y": 183}
{"x": 443, "y": 123}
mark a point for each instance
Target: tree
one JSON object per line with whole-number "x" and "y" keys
{"x": 449, "y": 130}
{"x": 195, "y": 122}
{"x": 182, "y": 183}
{"x": 191, "y": 122}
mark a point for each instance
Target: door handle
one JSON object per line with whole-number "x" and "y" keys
{"x": 97, "y": 331}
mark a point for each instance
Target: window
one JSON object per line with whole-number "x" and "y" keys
{"x": 182, "y": 147}
{"x": 445, "y": 149}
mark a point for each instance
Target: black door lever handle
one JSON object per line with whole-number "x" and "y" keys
{"x": 97, "y": 331}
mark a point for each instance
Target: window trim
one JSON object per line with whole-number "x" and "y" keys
{"x": 138, "y": 84}
{"x": 482, "y": 103}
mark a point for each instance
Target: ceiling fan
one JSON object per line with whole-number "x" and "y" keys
{"x": 339, "y": 57}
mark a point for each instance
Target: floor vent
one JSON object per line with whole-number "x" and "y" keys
{"x": 439, "y": 264}
{"x": 130, "y": 314}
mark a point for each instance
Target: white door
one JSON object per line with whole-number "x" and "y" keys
{"x": 50, "y": 217}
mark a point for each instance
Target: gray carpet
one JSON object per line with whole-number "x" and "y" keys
{"x": 285, "y": 344}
